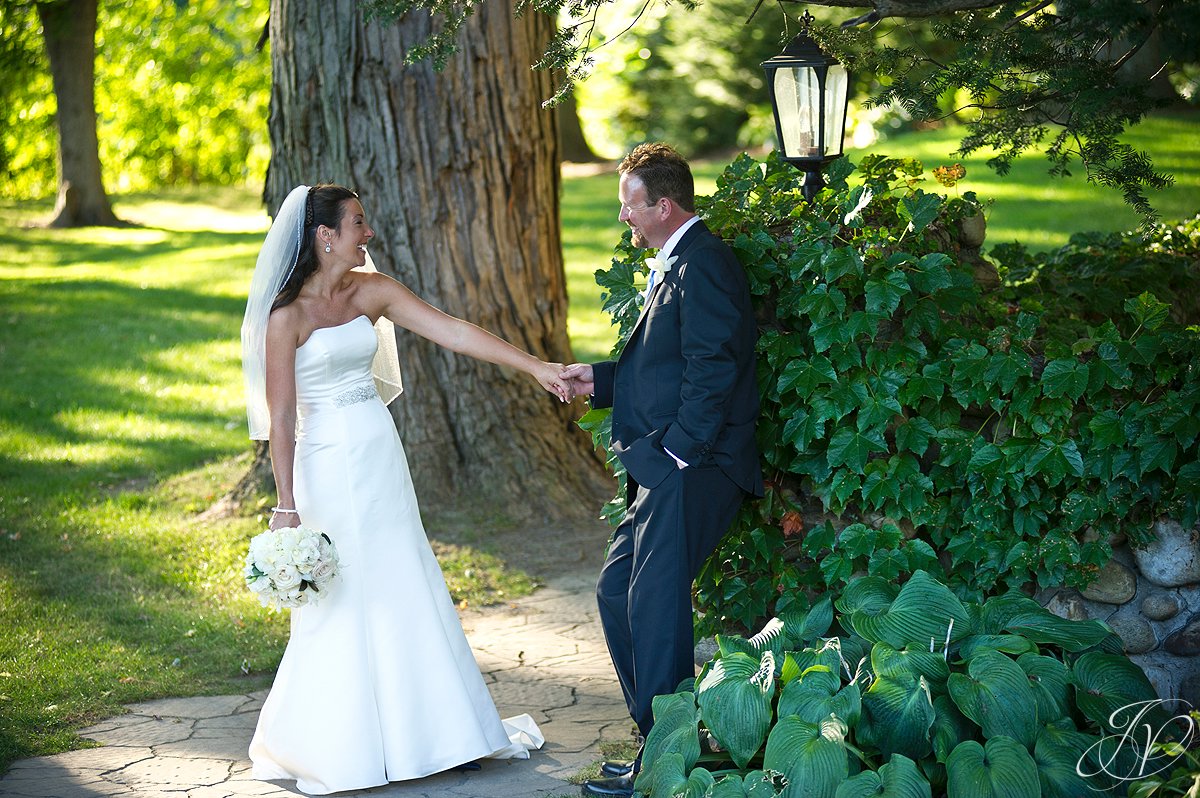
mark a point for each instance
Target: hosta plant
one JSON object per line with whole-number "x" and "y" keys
{"x": 908, "y": 692}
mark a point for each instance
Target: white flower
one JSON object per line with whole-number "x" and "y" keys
{"x": 863, "y": 200}
{"x": 286, "y": 577}
{"x": 284, "y": 566}
{"x": 661, "y": 266}
{"x": 323, "y": 571}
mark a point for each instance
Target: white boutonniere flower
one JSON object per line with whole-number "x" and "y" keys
{"x": 659, "y": 265}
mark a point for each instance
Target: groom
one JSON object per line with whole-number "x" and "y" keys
{"x": 684, "y": 402}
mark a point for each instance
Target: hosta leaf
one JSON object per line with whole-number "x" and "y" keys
{"x": 950, "y": 727}
{"x": 1057, "y": 753}
{"x": 899, "y": 778}
{"x": 1050, "y": 681}
{"x": 997, "y": 696}
{"x": 755, "y": 784}
{"x": 735, "y": 702}
{"x": 811, "y": 756}
{"x": 924, "y": 611}
{"x": 1008, "y": 644}
{"x": 1001, "y": 768}
{"x": 675, "y": 731}
{"x": 814, "y": 701}
{"x": 1111, "y": 691}
{"x": 870, "y": 595}
{"x": 897, "y": 715}
{"x": 1042, "y": 626}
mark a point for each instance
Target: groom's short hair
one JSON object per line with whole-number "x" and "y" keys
{"x": 663, "y": 172}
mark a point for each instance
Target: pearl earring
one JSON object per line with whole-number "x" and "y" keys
{"x": 327, "y": 248}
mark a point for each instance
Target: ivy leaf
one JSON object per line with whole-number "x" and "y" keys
{"x": 803, "y": 376}
{"x": 919, "y": 209}
{"x": 1063, "y": 377}
{"x": 1147, "y": 311}
{"x": 931, "y": 273}
{"x": 1155, "y": 452}
{"x": 841, "y": 261}
{"x": 883, "y": 296}
{"x": 1107, "y": 430}
{"x": 851, "y": 448}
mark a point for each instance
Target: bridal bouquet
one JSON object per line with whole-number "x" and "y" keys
{"x": 291, "y": 567}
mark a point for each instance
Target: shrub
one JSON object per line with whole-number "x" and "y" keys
{"x": 912, "y": 693}
{"x": 919, "y": 415}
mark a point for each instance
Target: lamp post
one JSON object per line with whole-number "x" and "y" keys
{"x": 809, "y": 91}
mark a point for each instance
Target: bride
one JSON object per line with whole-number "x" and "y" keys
{"x": 378, "y": 682}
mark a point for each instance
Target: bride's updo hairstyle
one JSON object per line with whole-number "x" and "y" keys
{"x": 325, "y": 206}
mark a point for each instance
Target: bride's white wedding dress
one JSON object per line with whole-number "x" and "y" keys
{"x": 378, "y": 682}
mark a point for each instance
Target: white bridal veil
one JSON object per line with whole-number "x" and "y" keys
{"x": 276, "y": 260}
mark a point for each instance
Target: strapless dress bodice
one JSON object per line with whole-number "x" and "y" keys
{"x": 333, "y": 367}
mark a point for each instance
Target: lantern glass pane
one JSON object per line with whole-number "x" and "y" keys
{"x": 797, "y": 99}
{"x": 836, "y": 87}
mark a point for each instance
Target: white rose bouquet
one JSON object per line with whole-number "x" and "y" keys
{"x": 291, "y": 567}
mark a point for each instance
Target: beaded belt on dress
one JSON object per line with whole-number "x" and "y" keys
{"x": 359, "y": 393}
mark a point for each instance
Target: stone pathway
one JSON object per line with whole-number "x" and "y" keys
{"x": 543, "y": 654}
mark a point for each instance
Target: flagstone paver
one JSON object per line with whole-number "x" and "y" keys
{"x": 543, "y": 654}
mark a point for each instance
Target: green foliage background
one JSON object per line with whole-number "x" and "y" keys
{"x": 181, "y": 97}
{"x": 913, "y": 419}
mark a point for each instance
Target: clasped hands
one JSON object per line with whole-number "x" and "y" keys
{"x": 566, "y": 382}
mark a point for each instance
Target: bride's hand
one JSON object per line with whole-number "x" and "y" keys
{"x": 547, "y": 375}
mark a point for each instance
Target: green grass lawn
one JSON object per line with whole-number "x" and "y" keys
{"x": 121, "y": 419}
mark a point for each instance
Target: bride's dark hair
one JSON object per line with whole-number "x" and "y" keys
{"x": 325, "y": 206}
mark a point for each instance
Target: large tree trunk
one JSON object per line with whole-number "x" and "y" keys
{"x": 69, "y": 27}
{"x": 458, "y": 171}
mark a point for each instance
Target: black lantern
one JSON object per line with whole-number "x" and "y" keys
{"x": 809, "y": 91}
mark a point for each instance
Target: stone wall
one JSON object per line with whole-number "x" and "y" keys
{"x": 1151, "y": 598}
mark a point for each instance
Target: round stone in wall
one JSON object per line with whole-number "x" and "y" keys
{"x": 1160, "y": 606}
{"x": 1173, "y": 558}
{"x": 1135, "y": 633}
{"x": 1116, "y": 584}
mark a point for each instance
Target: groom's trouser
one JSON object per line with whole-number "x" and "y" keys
{"x": 645, "y": 587}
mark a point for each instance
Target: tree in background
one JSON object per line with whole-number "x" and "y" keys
{"x": 69, "y": 30}
{"x": 459, "y": 172}
{"x": 180, "y": 95}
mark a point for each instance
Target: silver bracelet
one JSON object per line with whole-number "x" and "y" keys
{"x": 283, "y": 510}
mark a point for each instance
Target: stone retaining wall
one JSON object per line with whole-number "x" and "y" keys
{"x": 1151, "y": 598}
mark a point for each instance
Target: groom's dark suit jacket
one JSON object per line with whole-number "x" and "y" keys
{"x": 685, "y": 380}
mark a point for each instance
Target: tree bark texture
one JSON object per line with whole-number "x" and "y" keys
{"x": 69, "y": 28}
{"x": 458, "y": 172}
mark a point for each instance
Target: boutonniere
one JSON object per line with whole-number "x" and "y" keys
{"x": 659, "y": 265}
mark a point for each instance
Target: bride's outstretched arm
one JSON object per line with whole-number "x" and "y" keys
{"x": 409, "y": 311}
{"x": 281, "y": 402}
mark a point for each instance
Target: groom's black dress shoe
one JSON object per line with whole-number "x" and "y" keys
{"x": 619, "y": 787}
{"x": 611, "y": 769}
